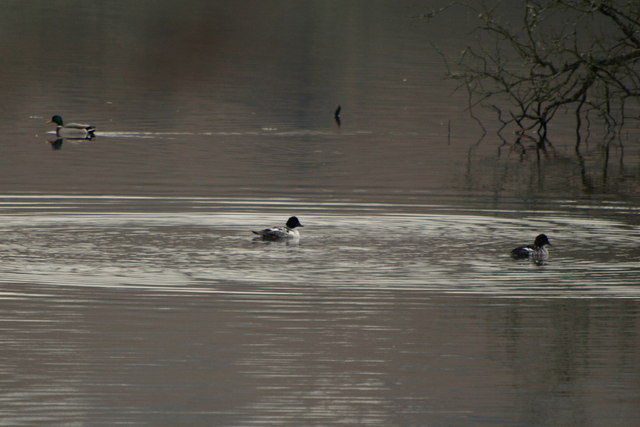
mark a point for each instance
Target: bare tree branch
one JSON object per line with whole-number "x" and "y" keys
{"x": 580, "y": 55}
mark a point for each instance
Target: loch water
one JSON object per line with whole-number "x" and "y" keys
{"x": 132, "y": 290}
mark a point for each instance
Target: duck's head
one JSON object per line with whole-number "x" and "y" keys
{"x": 293, "y": 222}
{"x": 542, "y": 240}
{"x": 56, "y": 119}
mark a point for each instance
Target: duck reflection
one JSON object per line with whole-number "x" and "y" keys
{"x": 57, "y": 143}
{"x": 290, "y": 242}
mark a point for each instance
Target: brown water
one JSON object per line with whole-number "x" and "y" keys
{"x": 131, "y": 290}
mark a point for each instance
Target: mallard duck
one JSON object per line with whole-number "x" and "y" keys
{"x": 72, "y": 130}
{"x": 281, "y": 233}
{"x": 537, "y": 250}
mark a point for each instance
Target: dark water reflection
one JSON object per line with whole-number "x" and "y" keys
{"x": 130, "y": 288}
{"x": 380, "y": 358}
{"x": 216, "y": 98}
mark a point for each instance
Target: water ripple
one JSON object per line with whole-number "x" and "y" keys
{"x": 205, "y": 245}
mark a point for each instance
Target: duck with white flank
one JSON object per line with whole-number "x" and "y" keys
{"x": 281, "y": 232}
{"x": 537, "y": 250}
{"x": 72, "y": 130}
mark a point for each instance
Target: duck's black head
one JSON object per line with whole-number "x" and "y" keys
{"x": 542, "y": 240}
{"x": 56, "y": 119}
{"x": 293, "y": 222}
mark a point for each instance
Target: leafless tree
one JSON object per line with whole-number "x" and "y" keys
{"x": 579, "y": 57}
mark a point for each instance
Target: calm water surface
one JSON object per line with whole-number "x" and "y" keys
{"x": 131, "y": 290}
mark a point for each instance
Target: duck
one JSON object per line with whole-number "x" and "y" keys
{"x": 286, "y": 232}
{"x": 537, "y": 250}
{"x": 72, "y": 130}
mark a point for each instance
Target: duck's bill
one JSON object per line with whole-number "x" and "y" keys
{"x": 50, "y": 121}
